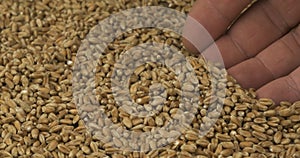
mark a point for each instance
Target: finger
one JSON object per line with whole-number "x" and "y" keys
{"x": 283, "y": 89}
{"x": 278, "y": 60}
{"x": 215, "y": 16}
{"x": 263, "y": 24}
{"x": 283, "y": 56}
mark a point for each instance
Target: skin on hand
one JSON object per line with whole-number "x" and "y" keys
{"x": 261, "y": 49}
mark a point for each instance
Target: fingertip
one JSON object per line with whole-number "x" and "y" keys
{"x": 251, "y": 73}
{"x": 189, "y": 46}
{"x": 279, "y": 90}
{"x": 216, "y": 15}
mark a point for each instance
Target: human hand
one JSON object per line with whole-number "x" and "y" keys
{"x": 261, "y": 50}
